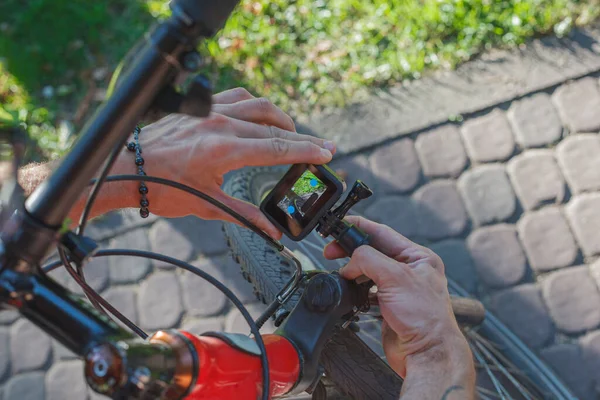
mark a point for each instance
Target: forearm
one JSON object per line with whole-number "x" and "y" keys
{"x": 114, "y": 195}
{"x": 441, "y": 374}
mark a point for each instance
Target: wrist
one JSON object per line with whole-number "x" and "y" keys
{"x": 112, "y": 195}
{"x": 452, "y": 347}
{"x": 445, "y": 370}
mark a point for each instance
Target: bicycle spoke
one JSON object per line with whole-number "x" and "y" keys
{"x": 313, "y": 245}
{"x": 491, "y": 375}
{"x": 494, "y": 368}
{"x": 509, "y": 376}
{"x": 367, "y": 321}
{"x": 372, "y": 337}
{"x": 495, "y": 350}
{"x": 488, "y": 393}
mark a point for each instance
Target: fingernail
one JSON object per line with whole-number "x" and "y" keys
{"x": 326, "y": 153}
{"x": 329, "y": 145}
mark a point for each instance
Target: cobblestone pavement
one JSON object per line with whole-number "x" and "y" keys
{"x": 510, "y": 199}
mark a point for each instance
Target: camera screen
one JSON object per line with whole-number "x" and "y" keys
{"x": 302, "y": 196}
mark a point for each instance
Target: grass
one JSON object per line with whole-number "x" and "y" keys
{"x": 303, "y": 54}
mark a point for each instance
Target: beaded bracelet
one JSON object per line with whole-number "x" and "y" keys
{"x": 139, "y": 161}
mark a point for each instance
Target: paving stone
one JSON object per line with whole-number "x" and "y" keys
{"x": 578, "y": 103}
{"x": 522, "y": 309}
{"x": 497, "y": 255}
{"x": 167, "y": 240}
{"x": 535, "y": 121}
{"x": 65, "y": 381}
{"x": 117, "y": 222}
{"x": 595, "y": 271}
{"x": 236, "y": 323}
{"x": 487, "y": 194}
{"x": 200, "y": 326}
{"x": 4, "y": 353}
{"x": 29, "y": 386}
{"x": 206, "y": 236}
{"x": 30, "y": 347}
{"x": 159, "y": 301}
{"x": 233, "y": 279}
{"x": 584, "y": 215}
{"x": 572, "y": 298}
{"x": 357, "y": 168}
{"x": 8, "y": 316}
{"x": 123, "y": 298}
{"x": 536, "y": 179}
{"x": 129, "y": 269}
{"x": 488, "y": 138}
{"x": 579, "y": 158}
{"x": 396, "y": 166}
{"x": 441, "y": 213}
{"x": 441, "y": 152}
{"x": 590, "y": 346}
{"x": 567, "y": 361}
{"x": 61, "y": 352}
{"x": 397, "y": 212}
{"x": 105, "y": 226}
{"x": 547, "y": 239}
{"x": 199, "y": 296}
{"x": 458, "y": 263}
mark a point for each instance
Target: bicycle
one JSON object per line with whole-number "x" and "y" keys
{"x": 328, "y": 358}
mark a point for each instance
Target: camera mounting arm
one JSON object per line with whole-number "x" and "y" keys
{"x": 348, "y": 236}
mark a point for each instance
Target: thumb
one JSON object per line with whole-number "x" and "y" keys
{"x": 375, "y": 265}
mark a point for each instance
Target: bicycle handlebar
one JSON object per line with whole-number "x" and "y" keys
{"x": 210, "y": 14}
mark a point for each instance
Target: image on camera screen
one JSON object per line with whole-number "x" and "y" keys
{"x": 302, "y": 196}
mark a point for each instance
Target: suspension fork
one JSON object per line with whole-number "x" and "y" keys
{"x": 229, "y": 364}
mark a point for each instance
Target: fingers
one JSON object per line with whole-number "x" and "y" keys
{"x": 247, "y": 210}
{"x": 383, "y": 238}
{"x": 375, "y": 265}
{"x": 232, "y": 96}
{"x": 333, "y": 251}
{"x": 259, "y": 111}
{"x": 276, "y": 151}
{"x": 250, "y": 130}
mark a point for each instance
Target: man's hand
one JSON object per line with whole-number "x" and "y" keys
{"x": 241, "y": 131}
{"x": 420, "y": 336}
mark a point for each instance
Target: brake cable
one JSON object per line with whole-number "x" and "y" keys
{"x": 99, "y": 302}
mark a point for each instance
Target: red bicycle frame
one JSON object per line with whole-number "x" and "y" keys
{"x": 229, "y": 373}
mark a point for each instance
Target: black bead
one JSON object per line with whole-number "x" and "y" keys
{"x": 131, "y": 146}
{"x": 143, "y": 189}
{"x": 144, "y": 212}
{"x": 137, "y": 130}
{"x": 139, "y": 161}
{"x": 144, "y": 203}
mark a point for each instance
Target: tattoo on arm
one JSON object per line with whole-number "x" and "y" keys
{"x": 450, "y": 390}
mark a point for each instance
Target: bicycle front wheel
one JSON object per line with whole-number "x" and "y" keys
{"x": 354, "y": 361}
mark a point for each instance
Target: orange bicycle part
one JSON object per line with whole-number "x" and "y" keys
{"x": 229, "y": 373}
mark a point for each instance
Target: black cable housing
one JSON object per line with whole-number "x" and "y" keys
{"x": 207, "y": 277}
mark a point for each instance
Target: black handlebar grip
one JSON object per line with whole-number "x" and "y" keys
{"x": 210, "y": 14}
